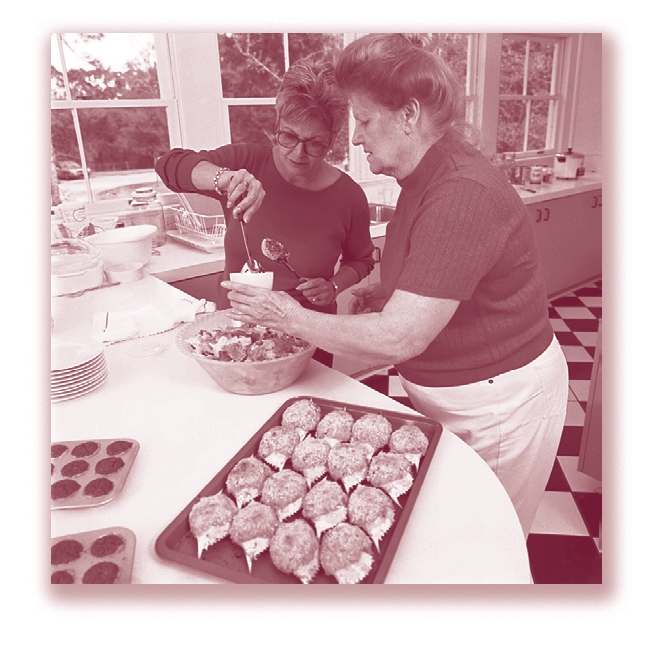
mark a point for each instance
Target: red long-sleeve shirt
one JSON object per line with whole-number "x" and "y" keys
{"x": 318, "y": 227}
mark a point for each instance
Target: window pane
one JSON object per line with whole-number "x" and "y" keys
{"x": 541, "y": 56}
{"x": 538, "y": 124}
{"x": 512, "y": 67}
{"x": 323, "y": 46}
{"x": 453, "y": 48}
{"x": 251, "y": 65}
{"x": 107, "y": 66}
{"x": 252, "y": 124}
{"x": 511, "y": 126}
{"x": 121, "y": 147}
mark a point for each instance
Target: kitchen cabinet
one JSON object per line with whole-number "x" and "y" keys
{"x": 348, "y": 365}
{"x": 568, "y": 233}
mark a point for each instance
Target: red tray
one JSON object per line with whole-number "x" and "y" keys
{"x": 227, "y": 560}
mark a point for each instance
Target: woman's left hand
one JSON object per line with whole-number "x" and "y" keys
{"x": 318, "y": 291}
{"x": 252, "y": 304}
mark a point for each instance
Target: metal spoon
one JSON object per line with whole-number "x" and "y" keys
{"x": 253, "y": 264}
{"x": 275, "y": 251}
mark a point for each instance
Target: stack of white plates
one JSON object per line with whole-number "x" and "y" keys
{"x": 76, "y": 368}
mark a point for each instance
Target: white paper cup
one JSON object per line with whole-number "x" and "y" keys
{"x": 264, "y": 279}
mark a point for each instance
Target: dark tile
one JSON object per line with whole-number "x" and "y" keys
{"x": 564, "y": 559}
{"x": 579, "y": 369}
{"x": 591, "y": 350}
{"x": 377, "y": 382}
{"x": 552, "y": 312}
{"x": 569, "y": 445}
{"x": 557, "y": 481}
{"x": 596, "y": 311}
{"x": 590, "y": 505}
{"x": 569, "y": 300}
{"x": 567, "y": 338}
{"x": 404, "y": 400}
{"x": 582, "y": 324}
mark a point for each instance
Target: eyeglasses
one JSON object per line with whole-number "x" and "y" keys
{"x": 311, "y": 146}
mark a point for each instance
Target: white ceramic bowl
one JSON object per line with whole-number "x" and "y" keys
{"x": 127, "y": 272}
{"x": 123, "y": 245}
{"x": 242, "y": 377}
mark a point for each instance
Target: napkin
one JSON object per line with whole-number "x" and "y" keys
{"x": 115, "y": 326}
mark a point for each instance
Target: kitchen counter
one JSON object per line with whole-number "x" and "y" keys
{"x": 558, "y": 188}
{"x": 463, "y": 528}
{"x": 180, "y": 262}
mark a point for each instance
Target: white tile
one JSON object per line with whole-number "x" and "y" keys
{"x": 587, "y": 339}
{"x": 558, "y": 325}
{"x": 576, "y": 353}
{"x": 579, "y": 481}
{"x": 573, "y": 312}
{"x": 592, "y": 301}
{"x": 580, "y": 388}
{"x": 574, "y": 414}
{"x": 395, "y": 389}
{"x": 558, "y": 514}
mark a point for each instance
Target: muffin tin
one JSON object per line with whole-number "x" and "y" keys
{"x": 103, "y": 556}
{"x": 87, "y": 473}
{"x": 227, "y": 560}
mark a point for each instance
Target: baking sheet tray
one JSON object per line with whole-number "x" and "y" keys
{"x": 226, "y": 560}
{"x": 98, "y": 467}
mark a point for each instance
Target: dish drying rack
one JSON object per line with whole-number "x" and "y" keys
{"x": 206, "y": 233}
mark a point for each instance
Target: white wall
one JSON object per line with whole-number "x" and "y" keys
{"x": 588, "y": 130}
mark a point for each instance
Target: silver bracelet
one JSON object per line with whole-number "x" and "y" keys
{"x": 216, "y": 178}
{"x": 334, "y": 284}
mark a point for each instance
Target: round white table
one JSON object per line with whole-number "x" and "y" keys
{"x": 463, "y": 528}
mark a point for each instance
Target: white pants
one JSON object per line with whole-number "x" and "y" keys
{"x": 513, "y": 421}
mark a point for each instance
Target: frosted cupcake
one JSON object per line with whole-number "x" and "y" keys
{"x": 246, "y": 478}
{"x": 335, "y": 427}
{"x": 210, "y": 519}
{"x": 325, "y": 505}
{"x": 252, "y": 528}
{"x": 294, "y": 549}
{"x": 345, "y": 554}
{"x": 373, "y": 429}
{"x": 277, "y": 445}
{"x": 391, "y": 472}
{"x": 348, "y": 462}
{"x": 372, "y": 510}
{"x": 284, "y": 492}
{"x": 310, "y": 458}
{"x": 410, "y": 441}
{"x": 302, "y": 414}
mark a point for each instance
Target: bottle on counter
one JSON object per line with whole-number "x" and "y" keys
{"x": 145, "y": 208}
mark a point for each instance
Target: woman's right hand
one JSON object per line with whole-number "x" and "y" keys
{"x": 244, "y": 193}
{"x": 367, "y": 299}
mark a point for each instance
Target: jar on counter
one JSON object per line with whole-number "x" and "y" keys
{"x": 536, "y": 175}
{"x": 145, "y": 208}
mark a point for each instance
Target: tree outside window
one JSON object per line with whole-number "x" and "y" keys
{"x": 108, "y": 122}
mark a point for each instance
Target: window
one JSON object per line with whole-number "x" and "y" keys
{"x": 109, "y": 121}
{"x": 528, "y": 97}
{"x": 120, "y": 100}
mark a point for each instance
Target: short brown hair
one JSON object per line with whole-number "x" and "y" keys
{"x": 394, "y": 68}
{"x": 309, "y": 92}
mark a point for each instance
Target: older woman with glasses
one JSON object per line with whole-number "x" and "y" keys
{"x": 288, "y": 192}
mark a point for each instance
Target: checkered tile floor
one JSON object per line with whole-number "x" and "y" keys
{"x": 564, "y": 543}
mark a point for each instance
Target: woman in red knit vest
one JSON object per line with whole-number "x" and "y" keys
{"x": 461, "y": 310}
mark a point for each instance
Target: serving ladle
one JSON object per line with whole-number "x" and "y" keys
{"x": 276, "y": 251}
